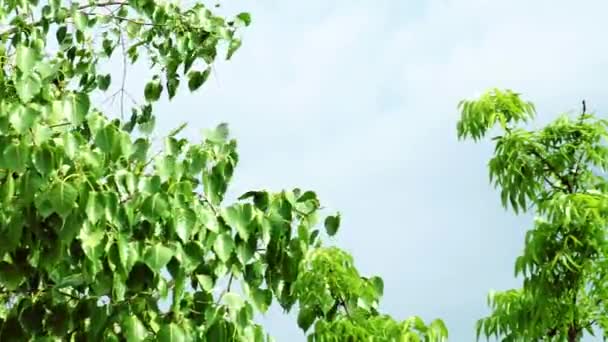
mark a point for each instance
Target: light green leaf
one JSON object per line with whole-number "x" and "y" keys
{"x": 76, "y": 107}
{"x": 28, "y": 86}
{"x": 63, "y": 197}
{"x": 262, "y": 298}
{"x": 24, "y": 118}
{"x": 128, "y": 252}
{"x": 205, "y": 281}
{"x": 239, "y": 216}
{"x": 217, "y": 135}
{"x": 43, "y": 160}
{"x": 106, "y": 139}
{"x": 80, "y": 20}
{"x": 234, "y": 45}
{"x": 95, "y": 207}
{"x": 26, "y": 58}
{"x": 157, "y": 256}
{"x": 223, "y": 246}
{"x": 233, "y": 301}
{"x": 378, "y": 285}
{"x": 155, "y": 206}
{"x": 171, "y": 333}
{"x": 135, "y": 331}
{"x": 184, "y": 221}
{"x": 245, "y": 18}
{"x": 91, "y": 238}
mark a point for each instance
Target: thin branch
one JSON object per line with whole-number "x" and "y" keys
{"x": 206, "y": 200}
{"x": 553, "y": 169}
{"x": 124, "y": 75}
{"x": 103, "y": 4}
{"x": 343, "y": 303}
{"x": 227, "y": 289}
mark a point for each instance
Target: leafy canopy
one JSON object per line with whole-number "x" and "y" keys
{"x": 97, "y": 228}
{"x": 559, "y": 172}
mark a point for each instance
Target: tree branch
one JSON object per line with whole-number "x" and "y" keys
{"x": 553, "y": 169}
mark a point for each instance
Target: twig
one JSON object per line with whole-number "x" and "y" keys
{"x": 205, "y": 199}
{"x": 103, "y": 4}
{"x": 225, "y": 290}
{"x": 124, "y": 75}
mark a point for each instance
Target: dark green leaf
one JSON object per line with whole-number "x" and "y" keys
{"x": 196, "y": 79}
{"x": 306, "y": 317}
{"x": 152, "y": 91}
{"x": 332, "y": 223}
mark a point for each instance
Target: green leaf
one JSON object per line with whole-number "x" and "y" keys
{"x": 217, "y": 135}
{"x": 133, "y": 29}
{"x": 71, "y": 281}
{"x": 24, "y": 118}
{"x": 60, "y": 34}
{"x": 196, "y": 79}
{"x": 155, "y": 206}
{"x": 234, "y": 45}
{"x": 95, "y": 208}
{"x": 32, "y": 318}
{"x": 171, "y": 333}
{"x": 43, "y": 160}
{"x": 205, "y": 281}
{"x": 91, "y": 238}
{"x": 26, "y": 58}
{"x": 245, "y": 18}
{"x": 76, "y": 107}
{"x": 185, "y": 219}
{"x": 378, "y": 285}
{"x": 332, "y": 223}
{"x": 262, "y": 298}
{"x": 128, "y": 252}
{"x": 233, "y": 301}
{"x": 106, "y": 139}
{"x": 80, "y": 20}
{"x": 239, "y": 216}
{"x": 223, "y": 246}
{"x": 134, "y": 329}
{"x": 157, "y": 256}
{"x": 306, "y": 317}
{"x": 58, "y": 321}
{"x": 103, "y": 81}
{"x": 152, "y": 91}
{"x": 63, "y": 198}
{"x": 28, "y": 86}
{"x": 10, "y": 275}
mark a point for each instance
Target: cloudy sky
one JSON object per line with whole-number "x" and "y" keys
{"x": 357, "y": 100}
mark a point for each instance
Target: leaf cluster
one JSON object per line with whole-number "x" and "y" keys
{"x": 98, "y": 229}
{"x": 559, "y": 172}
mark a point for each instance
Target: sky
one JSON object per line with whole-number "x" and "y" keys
{"x": 357, "y": 101}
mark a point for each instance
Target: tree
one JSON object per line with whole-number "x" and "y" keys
{"x": 97, "y": 228}
{"x": 557, "y": 171}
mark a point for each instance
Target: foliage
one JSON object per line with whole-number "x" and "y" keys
{"x": 96, "y": 228}
{"x": 559, "y": 172}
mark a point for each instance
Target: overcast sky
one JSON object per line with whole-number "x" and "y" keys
{"x": 357, "y": 100}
